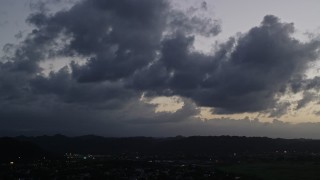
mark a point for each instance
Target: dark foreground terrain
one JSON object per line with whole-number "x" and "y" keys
{"x": 93, "y": 157}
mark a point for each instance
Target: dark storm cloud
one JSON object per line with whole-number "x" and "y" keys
{"x": 120, "y": 37}
{"x": 133, "y": 47}
{"x": 108, "y": 27}
{"x": 128, "y": 40}
{"x": 259, "y": 67}
{"x": 117, "y": 38}
{"x": 245, "y": 75}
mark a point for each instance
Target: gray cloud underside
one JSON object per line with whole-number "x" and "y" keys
{"x": 134, "y": 47}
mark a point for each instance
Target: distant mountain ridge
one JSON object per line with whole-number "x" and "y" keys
{"x": 91, "y": 144}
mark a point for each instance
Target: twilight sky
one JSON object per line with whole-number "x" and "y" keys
{"x": 160, "y": 68}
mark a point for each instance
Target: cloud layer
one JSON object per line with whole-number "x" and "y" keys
{"x": 134, "y": 48}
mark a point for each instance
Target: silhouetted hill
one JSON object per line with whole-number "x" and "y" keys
{"x": 187, "y": 145}
{"x": 12, "y": 149}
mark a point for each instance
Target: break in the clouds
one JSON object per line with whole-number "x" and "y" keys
{"x": 142, "y": 48}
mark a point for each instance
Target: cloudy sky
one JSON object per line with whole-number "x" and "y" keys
{"x": 160, "y": 68}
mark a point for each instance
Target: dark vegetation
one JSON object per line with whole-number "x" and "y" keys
{"x": 197, "y": 157}
{"x": 12, "y": 149}
{"x": 187, "y": 145}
